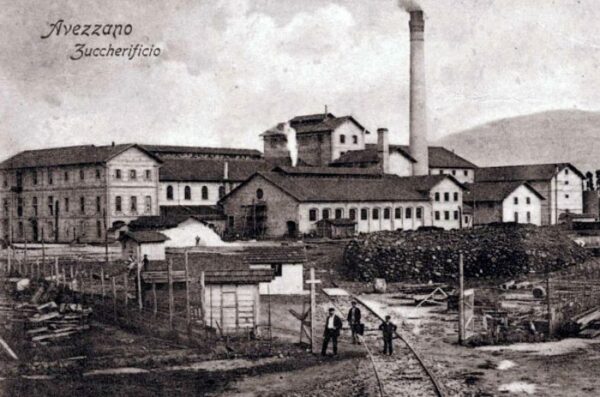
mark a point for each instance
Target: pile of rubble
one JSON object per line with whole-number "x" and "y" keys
{"x": 499, "y": 251}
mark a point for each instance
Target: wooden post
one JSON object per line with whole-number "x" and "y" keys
{"x": 37, "y": 269}
{"x": 313, "y": 309}
{"x": 202, "y": 300}
{"x": 171, "y": 301}
{"x": 8, "y": 259}
{"x": 71, "y": 272}
{"x": 155, "y": 305}
{"x": 114, "y": 294}
{"x": 82, "y": 287}
{"x": 548, "y": 302}
{"x": 91, "y": 279}
{"x": 139, "y": 285}
{"x": 187, "y": 289}
{"x": 56, "y": 268}
{"x": 43, "y": 249}
{"x": 102, "y": 281}
{"x": 25, "y": 257}
{"x": 126, "y": 287}
{"x": 461, "y": 301}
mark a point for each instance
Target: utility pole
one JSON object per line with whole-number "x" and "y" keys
{"x": 461, "y": 301}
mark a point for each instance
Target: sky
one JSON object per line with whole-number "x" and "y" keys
{"x": 229, "y": 70}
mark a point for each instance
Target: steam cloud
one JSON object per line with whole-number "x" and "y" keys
{"x": 292, "y": 146}
{"x": 409, "y": 5}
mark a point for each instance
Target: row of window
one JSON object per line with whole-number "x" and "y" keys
{"x": 187, "y": 192}
{"x": 133, "y": 204}
{"x": 437, "y": 215}
{"x": 133, "y": 174}
{"x": 374, "y": 213}
{"x": 51, "y": 205}
{"x": 48, "y": 233}
{"x": 354, "y": 139}
{"x": 454, "y": 172}
{"x": 437, "y": 196}
{"x": 527, "y": 217}
{"x": 35, "y": 178}
{"x": 527, "y": 200}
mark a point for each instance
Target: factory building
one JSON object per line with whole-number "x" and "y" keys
{"x": 561, "y": 186}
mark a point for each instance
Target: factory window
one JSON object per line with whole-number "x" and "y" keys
{"x": 408, "y": 213}
{"x": 342, "y": 138}
{"x": 118, "y": 203}
{"x": 169, "y": 192}
{"x": 66, "y": 176}
{"x": 118, "y": 174}
{"x": 516, "y": 217}
{"x": 187, "y": 193}
{"x": 34, "y": 204}
{"x": 133, "y": 204}
{"x": 97, "y": 173}
{"x": 66, "y": 204}
{"x": 81, "y": 175}
{"x": 446, "y": 196}
{"x": 34, "y": 177}
{"x": 230, "y": 222}
{"x": 221, "y": 191}
{"x": 132, "y": 174}
{"x": 50, "y": 179}
{"x": 98, "y": 228}
{"x": 204, "y": 193}
{"x": 325, "y": 213}
{"x": 148, "y": 175}
{"x": 447, "y": 215}
{"x": 21, "y": 230}
{"x": 386, "y": 213}
{"x": 441, "y": 172}
{"x": 98, "y": 204}
{"x": 354, "y": 139}
{"x": 566, "y": 182}
{"x": 466, "y": 173}
{"x": 455, "y": 215}
{"x": 419, "y": 213}
{"x": 375, "y": 214}
{"x": 398, "y": 213}
{"x": 352, "y": 213}
{"x": 566, "y": 196}
{"x": 260, "y": 194}
{"x": 5, "y": 204}
{"x": 566, "y": 171}
{"x": 20, "y": 206}
{"x": 516, "y": 200}
{"x": 148, "y": 204}
{"x": 82, "y": 204}
{"x": 50, "y": 205}
{"x": 528, "y": 217}
{"x": 312, "y": 214}
{"x": 528, "y": 200}
{"x": 339, "y": 213}
{"x": 454, "y": 172}
{"x": 437, "y": 215}
{"x": 277, "y": 269}
{"x": 364, "y": 214}
{"x": 437, "y": 196}
{"x": 455, "y": 196}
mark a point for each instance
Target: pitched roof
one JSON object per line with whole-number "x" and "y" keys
{"x": 168, "y": 149}
{"x": 323, "y": 122}
{"x": 494, "y": 191}
{"x": 159, "y": 222}
{"x": 200, "y": 212}
{"x": 144, "y": 236}
{"x": 532, "y": 172}
{"x": 71, "y": 155}
{"x": 328, "y": 171}
{"x": 209, "y": 170}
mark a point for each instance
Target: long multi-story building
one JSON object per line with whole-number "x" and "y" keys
{"x": 76, "y": 193}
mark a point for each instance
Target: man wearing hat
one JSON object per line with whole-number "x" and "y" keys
{"x": 333, "y": 325}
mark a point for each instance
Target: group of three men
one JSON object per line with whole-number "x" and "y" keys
{"x": 333, "y": 326}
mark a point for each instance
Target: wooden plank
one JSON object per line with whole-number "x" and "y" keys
{"x": 171, "y": 301}
{"x": 187, "y": 289}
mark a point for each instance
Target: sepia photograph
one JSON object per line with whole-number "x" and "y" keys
{"x": 329, "y": 198}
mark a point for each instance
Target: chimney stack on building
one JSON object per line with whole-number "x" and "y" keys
{"x": 383, "y": 150}
{"x": 418, "y": 103}
{"x": 225, "y": 170}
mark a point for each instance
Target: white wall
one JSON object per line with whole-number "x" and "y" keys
{"x": 463, "y": 175}
{"x": 196, "y": 188}
{"x": 155, "y": 251}
{"x": 184, "y": 235}
{"x": 290, "y": 282}
{"x": 569, "y": 195}
{"x": 534, "y": 208}
{"x": 451, "y": 206}
{"x": 348, "y": 129}
{"x": 399, "y": 164}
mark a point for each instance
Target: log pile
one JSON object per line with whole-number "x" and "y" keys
{"x": 500, "y": 251}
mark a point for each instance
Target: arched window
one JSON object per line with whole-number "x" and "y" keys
{"x": 221, "y": 191}
{"x": 398, "y": 213}
{"x": 204, "y": 193}
{"x": 342, "y": 138}
{"x": 169, "y": 192}
{"x": 187, "y": 193}
{"x": 259, "y": 194}
{"x": 386, "y": 213}
{"x": 312, "y": 214}
{"x": 339, "y": 213}
{"x": 364, "y": 214}
{"x": 352, "y": 213}
{"x": 375, "y": 213}
{"x": 325, "y": 213}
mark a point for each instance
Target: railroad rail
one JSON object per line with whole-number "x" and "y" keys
{"x": 402, "y": 374}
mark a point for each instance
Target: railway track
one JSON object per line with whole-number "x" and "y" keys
{"x": 402, "y": 374}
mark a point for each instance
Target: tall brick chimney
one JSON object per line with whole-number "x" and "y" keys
{"x": 418, "y": 101}
{"x": 383, "y": 150}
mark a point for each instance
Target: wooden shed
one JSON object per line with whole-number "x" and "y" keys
{"x": 230, "y": 299}
{"x": 139, "y": 243}
{"x": 336, "y": 228}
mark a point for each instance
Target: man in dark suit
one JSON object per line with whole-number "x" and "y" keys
{"x": 333, "y": 325}
{"x": 354, "y": 322}
{"x": 388, "y": 328}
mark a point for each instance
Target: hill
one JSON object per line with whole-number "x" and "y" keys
{"x": 547, "y": 137}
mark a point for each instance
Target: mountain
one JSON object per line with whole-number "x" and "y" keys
{"x": 548, "y": 137}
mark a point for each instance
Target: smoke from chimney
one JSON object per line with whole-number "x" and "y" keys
{"x": 292, "y": 146}
{"x": 409, "y": 5}
{"x": 418, "y": 102}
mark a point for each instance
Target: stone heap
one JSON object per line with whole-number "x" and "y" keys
{"x": 493, "y": 252}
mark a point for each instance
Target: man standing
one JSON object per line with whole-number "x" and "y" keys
{"x": 333, "y": 324}
{"x": 354, "y": 322}
{"x": 388, "y": 328}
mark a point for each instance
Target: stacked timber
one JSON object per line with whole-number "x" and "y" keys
{"x": 501, "y": 251}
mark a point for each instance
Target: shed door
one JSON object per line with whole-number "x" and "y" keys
{"x": 229, "y": 310}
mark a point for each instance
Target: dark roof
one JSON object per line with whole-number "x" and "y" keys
{"x": 439, "y": 157}
{"x": 200, "y": 212}
{"x": 72, "y": 155}
{"x": 277, "y": 130}
{"x": 355, "y": 189}
{"x": 145, "y": 236}
{"x": 159, "y": 222}
{"x": 494, "y": 191}
{"x": 328, "y": 171}
{"x": 338, "y": 222}
{"x": 209, "y": 170}
{"x": 323, "y": 122}
{"x": 532, "y": 172}
{"x": 166, "y": 149}
{"x": 275, "y": 254}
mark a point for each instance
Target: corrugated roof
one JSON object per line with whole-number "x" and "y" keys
{"x": 168, "y": 149}
{"x": 144, "y": 236}
{"x": 532, "y": 172}
{"x": 71, "y": 155}
{"x": 494, "y": 191}
{"x": 209, "y": 170}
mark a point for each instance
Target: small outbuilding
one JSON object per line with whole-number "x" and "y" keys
{"x": 139, "y": 243}
{"x": 336, "y": 228}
